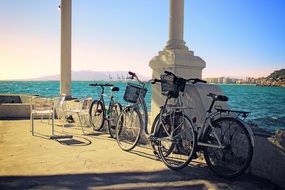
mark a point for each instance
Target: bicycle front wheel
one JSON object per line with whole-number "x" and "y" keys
{"x": 97, "y": 115}
{"x": 154, "y": 132}
{"x": 158, "y": 132}
{"x": 114, "y": 112}
{"x": 176, "y": 150}
{"x": 128, "y": 128}
{"x": 235, "y": 157}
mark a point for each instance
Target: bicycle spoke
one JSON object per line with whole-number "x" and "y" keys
{"x": 115, "y": 109}
{"x": 177, "y": 149}
{"x": 128, "y": 128}
{"x": 97, "y": 115}
{"x": 236, "y": 155}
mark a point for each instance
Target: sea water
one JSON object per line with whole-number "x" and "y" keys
{"x": 265, "y": 104}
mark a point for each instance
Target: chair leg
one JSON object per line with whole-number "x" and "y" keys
{"x": 52, "y": 125}
{"x": 80, "y": 122}
{"x": 49, "y": 118}
{"x": 32, "y": 118}
{"x": 63, "y": 122}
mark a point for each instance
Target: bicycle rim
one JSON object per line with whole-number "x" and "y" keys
{"x": 114, "y": 112}
{"x": 235, "y": 158}
{"x": 144, "y": 114}
{"x": 177, "y": 150}
{"x": 128, "y": 128}
{"x": 154, "y": 132}
{"x": 97, "y": 115}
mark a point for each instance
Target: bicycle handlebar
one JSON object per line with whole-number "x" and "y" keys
{"x": 134, "y": 75}
{"x": 193, "y": 80}
{"x": 155, "y": 81}
{"x": 169, "y": 73}
{"x": 198, "y": 80}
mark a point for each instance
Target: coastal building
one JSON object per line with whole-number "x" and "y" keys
{"x": 221, "y": 80}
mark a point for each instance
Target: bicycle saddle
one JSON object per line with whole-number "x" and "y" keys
{"x": 222, "y": 98}
{"x": 115, "y": 89}
{"x": 218, "y": 97}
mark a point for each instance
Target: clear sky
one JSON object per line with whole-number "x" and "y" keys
{"x": 236, "y": 38}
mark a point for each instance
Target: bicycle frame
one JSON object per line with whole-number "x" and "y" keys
{"x": 178, "y": 105}
{"x": 141, "y": 101}
{"x": 208, "y": 123}
{"x": 101, "y": 98}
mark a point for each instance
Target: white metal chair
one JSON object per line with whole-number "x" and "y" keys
{"x": 41, "y": 107}
{"x": 82, "y": 112}
{"x": 60, "y": 109}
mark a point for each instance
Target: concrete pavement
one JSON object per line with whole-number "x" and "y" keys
{"x": 95, "y": 162}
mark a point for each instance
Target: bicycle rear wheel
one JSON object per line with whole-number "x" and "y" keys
{"x": 128, "y": 128}
{"x": 177, "y": 150}
{"x": 97, "y": 115}
{"x": 114, "y": 112}
{"x": 235, "y": 157}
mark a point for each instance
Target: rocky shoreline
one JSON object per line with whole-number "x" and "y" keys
{"x": 277, "y": 78}
{"x": 271, "y": 82}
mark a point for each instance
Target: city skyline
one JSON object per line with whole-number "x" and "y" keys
{"x": 236, "y": 39}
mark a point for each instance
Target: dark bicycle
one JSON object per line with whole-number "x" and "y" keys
{"x": 99, "y": 113}
{"x": 225, "y": 139}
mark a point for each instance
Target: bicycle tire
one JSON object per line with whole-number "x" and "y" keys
{"x": 176, "y": 159}
{"x": 128, "y": 128}
{"x": 143, "y": 109}
{"x": 235, "y": 158}
{"x": 153, "y": 131}
{"x": 97, "y": 115}
{"x": 114, "y": 112}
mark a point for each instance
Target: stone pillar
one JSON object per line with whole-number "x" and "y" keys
{"x": 65, "y": 53}
{"x": 176, "y": 25}
{"x": 175, "y": 57}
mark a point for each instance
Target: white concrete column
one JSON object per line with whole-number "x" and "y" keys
{"x": 175, "y": 57}
{"x": 65, "y": 54}
{"x": 176, "y": 25}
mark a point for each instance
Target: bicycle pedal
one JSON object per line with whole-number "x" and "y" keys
{"x": 150, "y": 137}
{"x": 156, "y": 154}
{"x": 195, "y": 156}
{"x": 154, "y": 140}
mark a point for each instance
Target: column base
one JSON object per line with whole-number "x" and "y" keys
{"x": 181, "y": 62}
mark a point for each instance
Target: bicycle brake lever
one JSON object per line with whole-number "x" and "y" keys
{"x": 132, "y": 73}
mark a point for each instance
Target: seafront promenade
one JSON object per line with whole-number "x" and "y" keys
{"x": 95, "y": 161}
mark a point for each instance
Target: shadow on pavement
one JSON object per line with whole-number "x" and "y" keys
{"x": 75, "y": 141}
{"x": 188, "y": 178}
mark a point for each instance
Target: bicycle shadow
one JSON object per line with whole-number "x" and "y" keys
{"x": 162, "y": 179}
{"x": 196, "y": 166}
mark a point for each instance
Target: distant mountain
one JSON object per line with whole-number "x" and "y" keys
{"x": 93, "y": 75}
